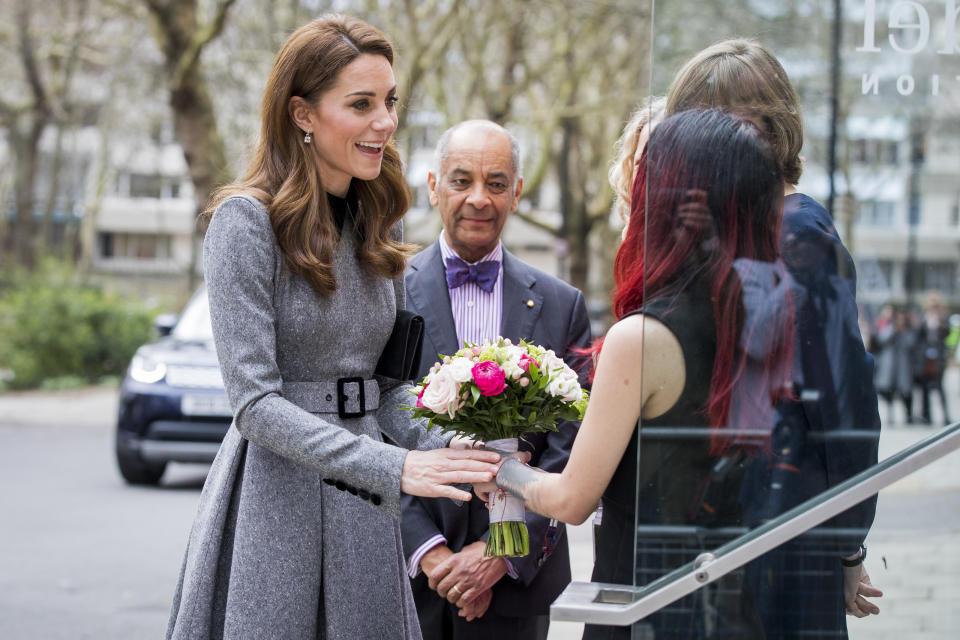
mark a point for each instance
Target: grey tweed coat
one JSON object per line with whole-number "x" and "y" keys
{"x": 276, "y": 552}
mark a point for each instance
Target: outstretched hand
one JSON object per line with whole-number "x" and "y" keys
{"x": 484, "y": 489}
{"x": 429, "y": 474}
{"x": 856, "y": 590}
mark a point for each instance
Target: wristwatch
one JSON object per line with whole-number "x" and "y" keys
{"x": 858, "y": 560}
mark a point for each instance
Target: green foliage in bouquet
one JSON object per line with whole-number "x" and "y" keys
{"x": 507, "y": 540}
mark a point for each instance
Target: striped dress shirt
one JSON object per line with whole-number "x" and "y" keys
{"x": 476, "y": 313}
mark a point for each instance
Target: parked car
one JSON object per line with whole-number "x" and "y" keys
{"x": 173, "y": 407}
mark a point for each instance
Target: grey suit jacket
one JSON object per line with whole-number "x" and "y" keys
{"x": 276, "y": 550}
{"x": 539, "y": 308}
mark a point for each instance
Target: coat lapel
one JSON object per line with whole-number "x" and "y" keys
{"x": 427, "y": 290}
{"x": 521, "y": 302}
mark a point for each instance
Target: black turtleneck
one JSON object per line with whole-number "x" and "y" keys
{"x": 342, "y": 207}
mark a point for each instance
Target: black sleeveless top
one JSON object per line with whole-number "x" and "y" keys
{"x": 669, "y": 465}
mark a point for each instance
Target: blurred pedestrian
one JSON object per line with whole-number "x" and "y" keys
{"x": 895, "y": 342}
{"x": 931, "y": 355}
{"x": 298, "y": 533}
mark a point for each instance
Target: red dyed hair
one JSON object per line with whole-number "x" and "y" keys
{"x": 695, "y": 162}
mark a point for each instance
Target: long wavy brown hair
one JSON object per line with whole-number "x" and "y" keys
{"x": 285, "y": 177}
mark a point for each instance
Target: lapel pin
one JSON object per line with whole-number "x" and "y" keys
{"x": 530, "y": 304}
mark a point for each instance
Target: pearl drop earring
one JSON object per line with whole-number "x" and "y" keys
{"x": 307, "y": 138}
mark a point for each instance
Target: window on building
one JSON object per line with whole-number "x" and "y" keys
{"x": 875, "y": 151}
{"x": 893, "y": 153}
{"x": 146, "y": 185}
{"x": 933, "y": 276}
{"x": 876, "y": 213}
{"x": 142, "y": 246}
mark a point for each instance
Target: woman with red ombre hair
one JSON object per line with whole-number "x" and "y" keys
{"x": 704, "y": 218}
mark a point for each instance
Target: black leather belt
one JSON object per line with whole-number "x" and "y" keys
{"x": 347, "y": 397}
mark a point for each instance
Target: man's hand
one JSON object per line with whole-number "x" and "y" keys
{"x": 475, "y": 609}
{"x": 432, "y": 558}
{"x": 856, "y": 590}
{"x": 463, "y": 576}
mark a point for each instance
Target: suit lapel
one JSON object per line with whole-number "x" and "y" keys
{"x": 521, "y": 302}
{"x": 428, "y": 292}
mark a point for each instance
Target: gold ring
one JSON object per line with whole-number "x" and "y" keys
{"x": 457, "y": 589}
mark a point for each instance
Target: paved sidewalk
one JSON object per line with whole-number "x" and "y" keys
{"x": 88, "y": 407}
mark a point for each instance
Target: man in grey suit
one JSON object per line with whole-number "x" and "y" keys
{"x": 469, "y": 289}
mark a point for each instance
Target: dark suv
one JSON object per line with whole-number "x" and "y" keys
{"x": 172, "y": 403}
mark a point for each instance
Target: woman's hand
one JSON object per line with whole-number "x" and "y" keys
{"x": 856, "y": 590}
{"x": 484, "y": 489}
{"x": 430, "y": 473}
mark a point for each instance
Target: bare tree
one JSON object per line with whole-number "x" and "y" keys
{"x": 182, "y": 34}
{"x": 25, "y": 122}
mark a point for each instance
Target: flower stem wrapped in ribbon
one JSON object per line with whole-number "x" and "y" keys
{"x": 497, "y": 392}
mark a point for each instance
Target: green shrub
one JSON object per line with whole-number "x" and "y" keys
{"x": 54, "y": 329}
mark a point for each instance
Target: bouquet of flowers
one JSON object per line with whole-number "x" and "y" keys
{"x": 495, "y": 393}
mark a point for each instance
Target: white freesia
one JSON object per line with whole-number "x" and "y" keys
{"x": 442, "y": 394}
{"x": 565, "y": 385}
{"x": 551, "y": 365}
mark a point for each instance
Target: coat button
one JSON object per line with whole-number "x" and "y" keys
{"x": 329, "y": 481}
{"x": 340, "y": 484}
{"x": 529, "y": 304}
{"x": 329, "y": 397}
{"x": 375, "y": 498}
{"x": 352, "y": 490}
{"x": 363, "y": 493}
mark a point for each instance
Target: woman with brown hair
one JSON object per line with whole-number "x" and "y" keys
{"x": 297, "y": 533}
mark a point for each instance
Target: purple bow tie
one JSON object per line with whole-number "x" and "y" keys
{"x": 484, "y": 274}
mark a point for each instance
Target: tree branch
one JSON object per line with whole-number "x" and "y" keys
{"x": 41, "y": 101}
{"x": 200, "y": 39}
{"x": 539, "y": 224}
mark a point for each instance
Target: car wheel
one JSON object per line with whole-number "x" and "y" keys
{"x": 133, "y": 468}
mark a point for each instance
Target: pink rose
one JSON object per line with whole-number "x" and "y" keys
{"x": 489, "y": 378}
{"x": 525, "y": 362}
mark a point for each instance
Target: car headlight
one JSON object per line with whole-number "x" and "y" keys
{"x": 147, "y": 370}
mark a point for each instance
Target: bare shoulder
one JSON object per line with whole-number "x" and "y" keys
{"x": 640, "y": 332}
{"x": 645, "y": 340}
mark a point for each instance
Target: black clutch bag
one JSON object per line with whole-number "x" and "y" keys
{"x": 400, "y": 359}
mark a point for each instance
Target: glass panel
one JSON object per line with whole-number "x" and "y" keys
{"x": 764, "y": 394}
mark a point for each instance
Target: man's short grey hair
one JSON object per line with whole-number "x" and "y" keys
{"x": 440, "y": 153}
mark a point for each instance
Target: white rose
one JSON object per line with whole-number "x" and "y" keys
{"x": 442, "y": 395}
{"x": 460, "y": 369}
